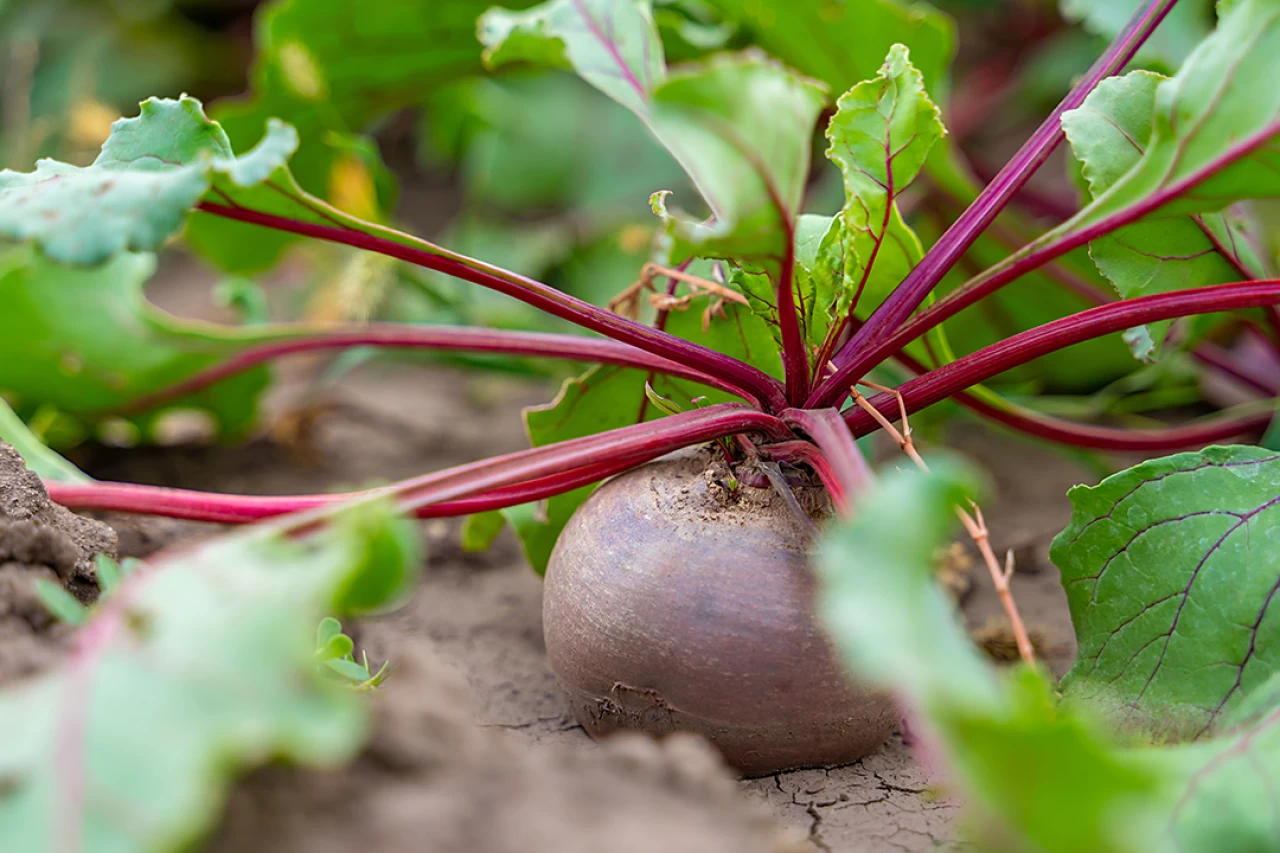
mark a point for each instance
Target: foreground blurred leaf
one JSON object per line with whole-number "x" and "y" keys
{"x": 198, "y": 668}
{"x": 1161, "y": 253}
{"x": 1170, "y": 569}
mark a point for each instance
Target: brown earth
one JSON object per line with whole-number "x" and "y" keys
{"x": 477, "y": 748}
{"x": 39, "y": 540}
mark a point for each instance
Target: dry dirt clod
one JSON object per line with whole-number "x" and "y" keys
{"x": 38, "y": 540}
{"x": 23, "y": 499}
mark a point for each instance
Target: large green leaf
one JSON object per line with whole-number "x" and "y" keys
{"x": 1214, "y": 139}
{"x": 1170, "y": 575}
{"x": 87, "y": 342}
{"x": 548, "y": 140}
{"x": 740, "y": 126}
{"x": 881, "y": 135}
{"x": 194, "y": 670}
{"x": 1162, "y": 252}
{"x": 1049, "y": 777}
{"x": 840, "y": 42}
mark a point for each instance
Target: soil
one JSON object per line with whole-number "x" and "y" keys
{"x": 477, "y": 748}
{"x": 39, "y": 540}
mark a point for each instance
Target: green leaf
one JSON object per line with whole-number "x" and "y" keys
{"x": 108, "y": 572}
{"x": 88, "y": 343}
{"x": 1214, "y": 140}
{"x": 62, "y": 604}
{"x": 514, "y": 152}
{"x": 327, "y": 630}
{"x": 1170, "y": 582}
{"x": 349, "y": 670}
{"x": 151, "y": 170}
{"x": 133, "y": 747}
{"x": 1178, "y": 34}
{"x": 840, "y": 42}
{"x": 880, "y": 137}
{"x": 612, "y": 44}
{"x": 1163, "y": 252}
{"x": 480, "y": 529}
{"x": 740, "y": 125}
{"x": 39, "y": 458}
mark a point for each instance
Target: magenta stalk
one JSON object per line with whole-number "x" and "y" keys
{"x": 443, "y": 338}
{"x": 995, "y": 359}
{"x": 515, "y": 477}
{"x": 421, "y": 253}
{"x": 1032, "y": 256}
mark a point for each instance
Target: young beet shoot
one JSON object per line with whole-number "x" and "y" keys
{"x": 751, "y": 406}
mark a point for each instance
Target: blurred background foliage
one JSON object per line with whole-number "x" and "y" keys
{"x": 534, "y": 170}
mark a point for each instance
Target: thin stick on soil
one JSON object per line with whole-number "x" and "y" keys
{"x": 975, "y": 525}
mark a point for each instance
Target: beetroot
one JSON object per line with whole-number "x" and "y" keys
{"x": 675, "y": 603}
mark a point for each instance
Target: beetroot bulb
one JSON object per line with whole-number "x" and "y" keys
{"x": 676, "y": 603}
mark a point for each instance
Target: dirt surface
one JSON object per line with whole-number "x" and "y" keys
{"x": 523, "y": 772}
{"x": 38, "y": 540}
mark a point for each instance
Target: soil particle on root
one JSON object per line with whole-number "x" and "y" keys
{"x": 38, "y": 540}
{"x": 433, "y": 780}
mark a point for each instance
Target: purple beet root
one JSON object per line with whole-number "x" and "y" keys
{"x": 672, "y": 603}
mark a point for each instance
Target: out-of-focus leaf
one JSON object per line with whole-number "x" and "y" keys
{"x": 39, "y": 458}
{"x": 196, "y": 669}
{"x": 548, "y": 140}
{"x": 1178, "y": 34}
{"x": 331, "y": 68}
{"x": 739, "y": 125}
{"x": 88, "y": 342}
{"x": 841, "y": 42}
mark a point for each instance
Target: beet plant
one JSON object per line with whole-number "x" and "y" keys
{"x": 679, "y": 593}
